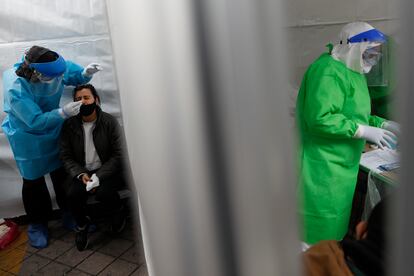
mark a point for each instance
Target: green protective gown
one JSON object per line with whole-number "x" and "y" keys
{"x": 332, "y": 100}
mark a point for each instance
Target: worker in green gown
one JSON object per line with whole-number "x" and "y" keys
{"x": 333, "y": 117}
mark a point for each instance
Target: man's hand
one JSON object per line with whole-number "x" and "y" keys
{"x": 93, "y": 183}
{"x": 85, "y": 178}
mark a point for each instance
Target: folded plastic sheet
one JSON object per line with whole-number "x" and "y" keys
{"x": 78, "y": 30}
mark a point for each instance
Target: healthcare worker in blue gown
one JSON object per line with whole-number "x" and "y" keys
{"x": 32, "y": 92}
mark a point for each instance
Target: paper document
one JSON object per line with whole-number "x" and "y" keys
{"x": 379, "y": 159}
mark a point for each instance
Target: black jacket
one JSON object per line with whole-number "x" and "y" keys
{"x": 107, "y": 138}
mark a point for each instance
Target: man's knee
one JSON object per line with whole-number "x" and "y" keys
{"x": 107, "y": 191}
{"x": 75, "y": 190}
{"x": 106, "y": 195}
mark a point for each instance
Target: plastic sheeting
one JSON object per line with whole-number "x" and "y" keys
{"x": 211, "y": 158}
{"x": 373, "y": 196}
{"x": 78, "y": 30}
{"x": 377, "y": 189}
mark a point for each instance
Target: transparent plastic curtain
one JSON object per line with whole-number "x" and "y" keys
{"x": 401, "y": 222}
{"x": 207, "y": 129}
{"x": 377, "y": 189}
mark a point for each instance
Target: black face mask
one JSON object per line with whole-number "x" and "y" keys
{"x": 87, "y": 109}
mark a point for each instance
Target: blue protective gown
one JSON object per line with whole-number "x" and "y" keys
{"x": 33, "y": 123}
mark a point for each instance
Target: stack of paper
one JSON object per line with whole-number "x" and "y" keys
{"x": 379, "y": 159}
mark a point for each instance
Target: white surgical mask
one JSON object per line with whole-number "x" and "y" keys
{"x": 370, "y": 58}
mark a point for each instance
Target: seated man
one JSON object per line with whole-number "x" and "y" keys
{"x": 91, "y": 152}
{"x": 365, "y": 255}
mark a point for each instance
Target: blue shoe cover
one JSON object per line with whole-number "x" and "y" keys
{"x": 38, "y": 235}
{"x": 69, "y": 223}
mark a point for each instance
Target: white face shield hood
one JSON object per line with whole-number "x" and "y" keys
{"x": 355, "y": 39}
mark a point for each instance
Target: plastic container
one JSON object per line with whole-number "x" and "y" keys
{"x": 9, "y": 231}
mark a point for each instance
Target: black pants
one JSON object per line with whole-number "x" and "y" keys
{"x": 106, "y": 193}
{"x": 36, "y": 197}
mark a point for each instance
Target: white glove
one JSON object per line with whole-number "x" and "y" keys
{"x": 381, "y": 137}
{"x": 91, "y": 69}
{"x": 93, "y": 183}
{"x": 392, "y": 126}
{"x": 70, "y": 109}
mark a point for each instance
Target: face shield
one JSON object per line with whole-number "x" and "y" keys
{"x": 355, "y": 39}
{"x": 45, "y": 79}
{"x": 371, "y": 56}
{"x": 39, "y": 77}
{"x": 46, "y": 88}
{"x": 47, "y": 71}
{"x": 371, "y": 36}
{"x": 376, "y": 65}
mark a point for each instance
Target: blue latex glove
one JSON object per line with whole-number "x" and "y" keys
{"x": 392, "y": 126}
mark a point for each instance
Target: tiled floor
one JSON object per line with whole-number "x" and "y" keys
{"x": 107, "y": 254}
